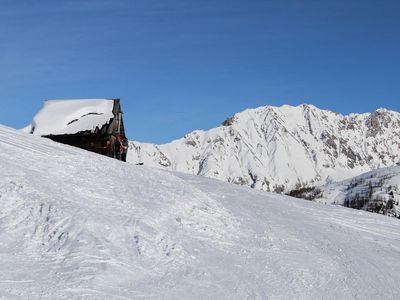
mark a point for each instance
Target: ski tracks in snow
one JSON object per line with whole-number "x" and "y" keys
{"x": 298, "y": 249}
{"x": 77, "y": 225}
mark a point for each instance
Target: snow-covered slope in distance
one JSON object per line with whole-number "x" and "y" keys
{"x": 76, "y": 225}
{"x": 282, "y": 148}
{"x": 377, "y": 191}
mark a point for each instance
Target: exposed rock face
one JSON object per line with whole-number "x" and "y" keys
{"x": 282, "y": 148}
{"x": 229, "y": 121}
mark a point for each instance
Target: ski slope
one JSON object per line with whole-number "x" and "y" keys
{"x": 75, "y": 225}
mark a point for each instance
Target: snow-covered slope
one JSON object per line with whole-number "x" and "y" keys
{"x": 377, "y": 191}
{"x": 76, "y": 225}
{"x": 282, "y": 148}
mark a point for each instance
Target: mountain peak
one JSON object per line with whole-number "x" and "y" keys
{"x": 282, "y": 148}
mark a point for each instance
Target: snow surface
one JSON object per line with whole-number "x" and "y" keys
{"x": 71, "y": 116}
{"x": 377, "y": 185}
{"x": 76, "y": 225}
{"x": 282, "y": 148}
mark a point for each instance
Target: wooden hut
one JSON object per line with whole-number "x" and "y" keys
{"x": 90, "y": 124}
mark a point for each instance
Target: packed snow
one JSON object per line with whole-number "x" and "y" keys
{"x": 282, "y": 148}
{"x": 71, "y": 116}
{"x": 76, "y": 225}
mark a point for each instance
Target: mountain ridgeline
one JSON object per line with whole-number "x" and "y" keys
{"x": 280, "y": 149}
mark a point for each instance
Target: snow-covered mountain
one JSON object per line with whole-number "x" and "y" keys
{"x": 376, "y": 191}
{"x": 282, "y": 148}
{"x": 76, "y": 225}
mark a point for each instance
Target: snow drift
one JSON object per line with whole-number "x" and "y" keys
{"x": 76, "y": 225}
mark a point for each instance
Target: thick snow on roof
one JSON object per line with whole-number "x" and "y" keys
{"x": 72, "y": 116}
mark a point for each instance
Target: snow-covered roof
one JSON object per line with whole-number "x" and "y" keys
{"x": 72, "y": 116}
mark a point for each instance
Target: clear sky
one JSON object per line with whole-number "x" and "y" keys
{"x": 184, "y": 65}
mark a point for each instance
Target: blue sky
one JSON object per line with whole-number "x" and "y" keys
{"x": 185, "y": 65}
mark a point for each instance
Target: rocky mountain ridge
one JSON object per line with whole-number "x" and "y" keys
{"x": 282, "y": 148}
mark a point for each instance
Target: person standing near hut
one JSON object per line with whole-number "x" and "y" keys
{"x": 106, "y": 147}
{"x": 112, "y": 143}
{"x": 118, "y": 147}
{"x": 125, "y": 146}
